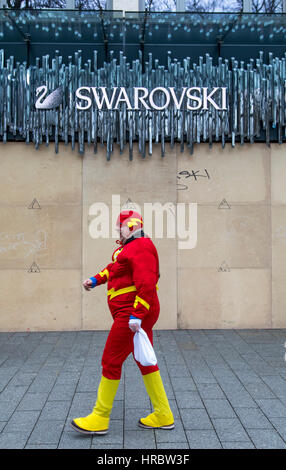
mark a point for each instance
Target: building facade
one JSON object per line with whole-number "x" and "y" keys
{"x": 201, "y": 146}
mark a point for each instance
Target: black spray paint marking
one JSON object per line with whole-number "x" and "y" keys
{"x": 187, "y": 174}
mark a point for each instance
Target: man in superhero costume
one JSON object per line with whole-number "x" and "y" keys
{"x": 132, "y": 278}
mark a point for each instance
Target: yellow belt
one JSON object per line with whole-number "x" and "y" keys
{"x": 113, "y": 293}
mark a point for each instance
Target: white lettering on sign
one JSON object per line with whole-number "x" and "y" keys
{"x": 159, "y": 98}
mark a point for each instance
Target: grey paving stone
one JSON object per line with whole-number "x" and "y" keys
{"x": 46, "y": 432}
{"x": 183, "y": 384}
{"x": 280, "y": 425}
{"x": 248, "y": 377}
{"x": 226, "y": 377}
{"x": 202, "y": 375}
{"x": 189, "y": 399}
{"x": 96, "y": 444}
{"x": 22, "y": 422}
{"x": 120, "y": 394}
{"x": 196, "y": 419}
{"x": 259, "y": 390}
{"x": 33, "y": 401}
{"x": 6, "y": 375}
{"x": 2, "y": 425}
{"x": 268, "y": 350}
{"x": 239, "y": 365}
{"x": 131, "y": 372}
{"x": 262, "y": 368}
{"x": 276, "y": 361}
{"x": 13, "y": 393}
{"x": 82, "y": 405}
{"x": 174, "y": 407}
{"x": 62, "y": 392}
{"x": 178, "y": 371}
{"x": 31, "y": 367}
{"x": 47, "y": 379}
{"x": 141, "y": 439}
{"x": 68, "y": 378}
{"x": 239, "y": 398}
{"x": 238, "y": 445}
{"x": 23, "y": 378}
{"x": 210, "y": 391}
{"x": 281, "y": 371}
{"x": 132, "y": 416}
{"x": 74, "y": 440}
{"x": 42, "y": 384}
{"x": 253, "y": 418}
{"x": 257, "y": 336}
{"x": 132, "y": 399}
{"x": 173, "y": 359}
{"x": 177, "y": 434}
{"x": 168, "y": 389}
{"x": 266, "y": 439}
{"x": 272, "y": 408}
{"x": 117, "y": 410}
{"x": 12, "y": 440}
{"x": 219, "y": 408}
{"x": 88, "y": 382}
{"x": 199, "y": 439}
{"x": 6, "y": 410}
{"x": 56, "y": 410}
{"x": 40, "y": 447}
{"x": 213, "y": 359}
{"x": 172, "y": 445}
{"x": 277, "y": 384}
{"x": 229, "y": 429}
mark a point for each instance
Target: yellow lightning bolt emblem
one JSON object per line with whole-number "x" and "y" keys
{"x": 134, "y": 221}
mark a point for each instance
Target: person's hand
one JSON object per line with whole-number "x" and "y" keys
{"x": 87, "y": 284}
{"x": 135, "y": 324}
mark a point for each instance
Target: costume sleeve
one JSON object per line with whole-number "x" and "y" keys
{"x": 101, "y": 277}
{"x": 144, "y": 274}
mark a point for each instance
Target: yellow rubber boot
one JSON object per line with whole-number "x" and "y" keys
{"x": 98, "y": 421}
{"x": 162, "y": 417}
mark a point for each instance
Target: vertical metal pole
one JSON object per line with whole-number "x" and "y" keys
{"x": 247, "y": 6}
{"x": 283, "y": 6}
{"x": 28, "y": 45}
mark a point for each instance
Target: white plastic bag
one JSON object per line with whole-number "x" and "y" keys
{"x": 143, "y": 349}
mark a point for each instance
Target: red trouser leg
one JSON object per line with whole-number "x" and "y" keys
{"x": 119, "y": 345}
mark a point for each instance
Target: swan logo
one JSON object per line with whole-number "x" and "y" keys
{"x": 52, "y": 101}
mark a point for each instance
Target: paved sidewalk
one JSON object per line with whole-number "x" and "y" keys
{"x": 227, "y": 389}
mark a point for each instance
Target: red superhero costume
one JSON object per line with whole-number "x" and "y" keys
{"x": 132, "y": 278}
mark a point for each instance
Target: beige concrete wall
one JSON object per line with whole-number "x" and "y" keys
{"x": 46, "y": 237}
{"x": 141, "y": 180}
{"x": 233, "y": 278}
{"x": 225, "y": 281}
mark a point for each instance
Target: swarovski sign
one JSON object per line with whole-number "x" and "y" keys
{"x": 159, "y": 98}
{"x": 191, "y": 103}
